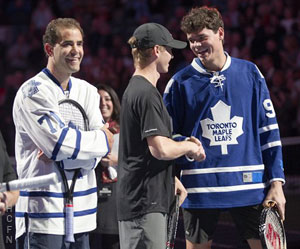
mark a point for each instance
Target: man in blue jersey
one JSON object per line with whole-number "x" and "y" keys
{"x": 224, "y": 102}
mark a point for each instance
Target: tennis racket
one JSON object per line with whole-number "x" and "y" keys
{"x": 33, "y": 182}
{"x": 172, "y": 223}
{"x": 75, "y": 117}
{"x": 271, "y": 229}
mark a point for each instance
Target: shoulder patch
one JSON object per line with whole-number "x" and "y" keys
{"x": 30, "y": 88}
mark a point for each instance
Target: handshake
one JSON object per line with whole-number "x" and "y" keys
{"x": 196, "y": 151}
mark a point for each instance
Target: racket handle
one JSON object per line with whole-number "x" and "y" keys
{"x": 170, "y": 245}
{"x": 33, "y": 182}
{"x": 69, "y": 223}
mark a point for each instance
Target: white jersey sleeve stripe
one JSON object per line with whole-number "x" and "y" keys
{"x": 268, "y": 128}
{"x": 223, "y": 169}
{"x": 270, "y": 145}
{"x": 278, "y": 179}
{"x": 227, "y": 188}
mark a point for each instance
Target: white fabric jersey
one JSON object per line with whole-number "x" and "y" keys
{"x": 39, "y": 127}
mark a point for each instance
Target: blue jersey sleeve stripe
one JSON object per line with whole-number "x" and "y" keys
{"x": 107, "y": 144}
{"x": 77, "y": 146}
{"x": 56, "y": 194}
{"x": 59, "y": 143}
{"x": 270, "y": 145}
{"x": 56, "y": 215}
{"x": 85, "y": 212}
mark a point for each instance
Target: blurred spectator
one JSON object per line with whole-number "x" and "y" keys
{"x": 106, "y": 234}
{"x": 18, "y": 12}
{"x": 266, "y": 32}
{"x": 290, "y": 53}
{"x": 42, "y": 15}
{"x": 17, "y": 53}
{"x": 288, "y": 19}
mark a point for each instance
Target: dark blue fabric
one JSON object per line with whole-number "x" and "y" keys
{"x": 50, "y": 241}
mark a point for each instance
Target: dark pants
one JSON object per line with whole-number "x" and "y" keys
{"x": 104, "y": 241}
{"x": 50, "y": 241}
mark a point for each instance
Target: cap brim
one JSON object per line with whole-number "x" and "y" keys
{"x": 177, "y": 44}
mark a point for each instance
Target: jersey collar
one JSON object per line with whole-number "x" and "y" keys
{"x": 51, "y": 76}
{"x": 197, "y": 64}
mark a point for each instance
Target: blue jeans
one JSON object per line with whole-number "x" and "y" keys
{"x": 50, "y": 241}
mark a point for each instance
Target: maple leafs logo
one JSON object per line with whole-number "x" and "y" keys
{"x": 30, "y": 88}
{"x": 222, "y": 130}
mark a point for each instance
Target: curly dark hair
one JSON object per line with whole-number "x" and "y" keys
{"x": 202, "y": 17}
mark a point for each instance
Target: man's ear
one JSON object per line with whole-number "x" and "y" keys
{"x": 48, "y": 49}
{"x": 156, "y": 50}
{"x": 221, "y": 34}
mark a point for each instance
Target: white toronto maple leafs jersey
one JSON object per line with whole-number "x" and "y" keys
{"x": 231, "y": 113}
{"x": 40, "y": 127}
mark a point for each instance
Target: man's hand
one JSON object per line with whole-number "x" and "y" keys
{"x": 109, "y": 135}
{"x": 276, "y": 195}
{"x": 3, "y": 203}
{"x": 180, "y": 190}
{"x": 109, "y": 160}
{"x": 198, "y": 152}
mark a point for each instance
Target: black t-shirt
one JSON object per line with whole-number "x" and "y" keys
{"x": 145, "y": 184}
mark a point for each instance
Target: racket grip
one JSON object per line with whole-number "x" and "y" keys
{"x": 170, "y": 245}
{"x": 69, "y": 223}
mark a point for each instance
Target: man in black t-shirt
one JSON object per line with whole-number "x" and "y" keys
{"x": 145, "y": 184}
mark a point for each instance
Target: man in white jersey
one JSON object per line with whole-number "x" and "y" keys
{"x": 41, "y": 139}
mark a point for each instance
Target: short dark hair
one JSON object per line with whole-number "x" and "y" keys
{"x": 115, "y": 100}
{"x": 52, "y": 34}
{"x": 202, "y": 17}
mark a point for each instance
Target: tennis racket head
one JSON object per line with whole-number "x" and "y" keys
{"x": 172, "y": 224}
{"x": 73, "y": 114}
{"x": 271, "y": 229}
{"x": 75, "y": 117}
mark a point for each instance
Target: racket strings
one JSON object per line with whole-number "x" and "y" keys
{"x": 72, "y": 116}
{"x": 274, "y": 233}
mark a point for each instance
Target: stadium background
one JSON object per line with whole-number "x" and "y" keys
{"x": 266, "y": 32}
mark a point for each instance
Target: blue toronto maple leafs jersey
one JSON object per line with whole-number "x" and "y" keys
{"x": 232, "y": 114}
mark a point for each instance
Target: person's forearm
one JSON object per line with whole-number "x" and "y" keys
{"x": 167, "y": 149}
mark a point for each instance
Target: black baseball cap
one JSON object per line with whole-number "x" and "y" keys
{"x": 150, "y": 34}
